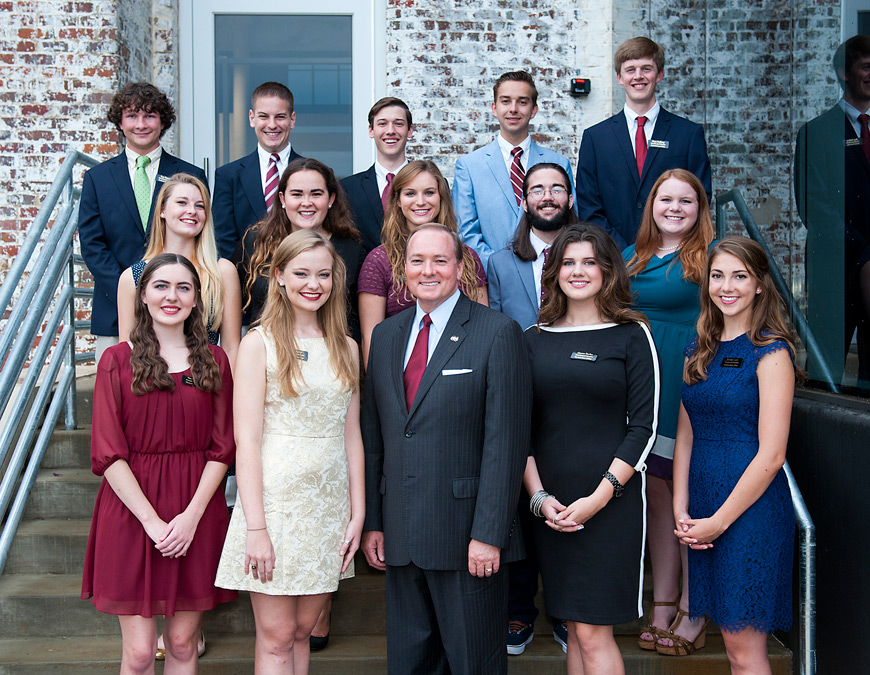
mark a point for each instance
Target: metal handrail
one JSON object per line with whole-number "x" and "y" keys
{"x": 37, "y": 343}
{"x": 805, "y": 525}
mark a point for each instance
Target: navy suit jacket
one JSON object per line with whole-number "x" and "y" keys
{"x": 365, "y": 203}
{"x": 449, "y": 470}
{"x": 609, "y": 192}
{"x": 238, "y": 200}
{"x": 511, "y": 286}
{"x": 110, "y": 229}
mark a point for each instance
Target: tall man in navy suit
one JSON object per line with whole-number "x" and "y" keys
{"x": 446, "y": 423}
{"x": 514, "y": 282}
{"x": 118, "y": 197}
{"x": 832, "y": 190}
{"x": 487, "y": 184}
{"x": 242, "y": 188}
{"x": 621, "y": 157}
{"x": 390, "y": 126}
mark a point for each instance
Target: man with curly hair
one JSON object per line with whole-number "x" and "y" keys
{"x": 118, "y": 196}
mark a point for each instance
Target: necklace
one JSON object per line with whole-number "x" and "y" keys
{"x": 670, "y": 248}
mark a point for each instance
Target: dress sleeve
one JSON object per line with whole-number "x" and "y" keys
{"x": 478, "y": 269}
{"x": 775, "y": 346}
{"x": 643, "y": 382}
{"x": 375, "y": 277}
{"x": 690, "y": 348}
{"x": 223, "y": 444}
{"x": 108, "y": 442}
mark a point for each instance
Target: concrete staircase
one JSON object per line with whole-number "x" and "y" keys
{"x": 45, "y": 629}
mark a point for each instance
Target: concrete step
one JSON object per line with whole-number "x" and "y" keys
{"x": 229, "y": 654}
{"x": 69, "y": 449}
{"x": 63, "y": 493}
{"x": 49, "y": 547}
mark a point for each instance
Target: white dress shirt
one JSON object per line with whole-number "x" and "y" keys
{"x": 852, "y": 113}
{"x": 150, "y": 170}
{"x": 538, "y": 263}
{"x": 631, "y": 117}
{"x": 506, "y": 152}
{"x": 381, "y": 175}
{"x": 265, "y": 157}
{"x": 440, "y": 316}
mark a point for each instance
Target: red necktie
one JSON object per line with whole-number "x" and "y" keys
{"x": 517, "y": 175}
{"x": 865, "y": 135}
{"x": 544, "y": 290}
{"x": 417, "y": 362}
{"x": 640, "y": 144}
{"x": 385, "y": 195}
{"x": 271, "y": 181}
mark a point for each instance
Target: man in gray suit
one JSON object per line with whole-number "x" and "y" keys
{"x": 446, "y": 428}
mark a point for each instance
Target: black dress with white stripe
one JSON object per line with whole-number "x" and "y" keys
{"x": 596, "y": 391}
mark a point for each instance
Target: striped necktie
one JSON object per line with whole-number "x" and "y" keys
{"x": 517, "y": 175}
{"x": 271, "y": 181}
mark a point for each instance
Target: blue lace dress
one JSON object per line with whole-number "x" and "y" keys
{"x": 744, "y": 581}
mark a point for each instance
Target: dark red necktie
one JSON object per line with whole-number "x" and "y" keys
{"x": 544, "y": 290}
{"x": 517, "y": 175}
{"x": 640, "y": 144}
{"x": 417, "y": 362}
{"x": 865, "y": 135}
{"x": 271, "y": 188}
{"x": 385, "y": 195}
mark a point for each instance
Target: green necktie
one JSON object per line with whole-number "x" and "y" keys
{"x": 142, "y": 189}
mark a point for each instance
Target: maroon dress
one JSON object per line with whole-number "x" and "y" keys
{"x": 166, "y": 437}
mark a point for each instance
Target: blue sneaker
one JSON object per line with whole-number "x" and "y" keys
{"x": 560, "y": 635}
{"x": 519, "y": 635}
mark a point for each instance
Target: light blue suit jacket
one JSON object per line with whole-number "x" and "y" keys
{"x": 511, "y": 287}
{"x": 486, "y": 207}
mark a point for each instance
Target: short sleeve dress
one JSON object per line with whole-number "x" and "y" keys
{"x": 671, "y": 304}
{"x": 305, "y": 482}
{"x": 595, "y": 398}
{"x": 376, "y": 277}
{"x": 744, "y": 581}
{"x": 166, "y": 437}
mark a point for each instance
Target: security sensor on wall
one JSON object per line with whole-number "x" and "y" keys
{"x": 580, "y": 86}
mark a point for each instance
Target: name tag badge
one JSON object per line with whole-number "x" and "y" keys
{"x": 301, "y": 355}
{"x": 188, "y": 380}
{"x": 583, "y": 356}
{"x": 161, "y": 178}
{"x": 850, "y": 142}
{"x": 732, "y": 362}
{"x": 655, "y": 143}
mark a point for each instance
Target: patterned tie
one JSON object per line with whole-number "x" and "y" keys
{"x": 544, "y": 290}
{"x": 385, "y": 195}
{"x": 417, "y": 362}
{"x": 640, "y": 145}
{"x": 271, "y": 181}
{"x": 865, "y": 135}
{"x": 142, "y": 189}
{"x": 517, "y": 175}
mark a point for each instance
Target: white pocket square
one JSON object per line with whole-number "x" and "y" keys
{"x": 458, "y": 371}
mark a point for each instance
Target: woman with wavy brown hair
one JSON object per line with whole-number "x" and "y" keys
{"x": 595, "y": 384}
{"x": 309, "y": 197}
{"x": 419, "y": 195}
{"x": 666, "y": 265}
{"x": 732, "y": 504}
{"x": 162, "y": 439}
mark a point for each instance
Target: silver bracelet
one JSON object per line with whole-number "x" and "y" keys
{"x": 537, "y": 501}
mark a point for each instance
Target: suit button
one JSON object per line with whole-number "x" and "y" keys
{"x": 408, "y": 434}
{"x": 639, "y": 205}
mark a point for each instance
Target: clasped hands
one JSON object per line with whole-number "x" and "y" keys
{"x": 566, "y": 518}
{"x": 173, "y": 539}
{"x": 698, "y": 534}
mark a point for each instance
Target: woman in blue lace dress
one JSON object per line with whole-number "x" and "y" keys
{"x": 732, "y": 505}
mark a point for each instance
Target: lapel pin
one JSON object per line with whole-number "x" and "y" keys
{"x": 454, "y": 338}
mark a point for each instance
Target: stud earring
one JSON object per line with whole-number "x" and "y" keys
{"x": 757, "y": 291}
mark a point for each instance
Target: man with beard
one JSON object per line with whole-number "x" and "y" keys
{"x": 514, "y": 276}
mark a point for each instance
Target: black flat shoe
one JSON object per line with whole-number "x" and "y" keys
{"x": 317, "y": 642}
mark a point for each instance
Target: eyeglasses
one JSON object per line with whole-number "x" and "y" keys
{"x": 555, "y": 191}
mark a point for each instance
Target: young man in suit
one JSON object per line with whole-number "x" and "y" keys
{"x": 244, "y": 190}
{"x": 118, "y": 197}
{"x": 622, "y": 157}
{"x": 446, "y": 422}
{"x": 390, "y": 126}
{"x": 832, "y": 190}
{"x": 487, "y": 184}
{"x": 514, "y": 282}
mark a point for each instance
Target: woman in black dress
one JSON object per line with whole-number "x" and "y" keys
{"x": 596, "y": 388}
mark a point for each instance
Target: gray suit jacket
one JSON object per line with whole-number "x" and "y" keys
{"x": 449, "y": 470}
{"x": 511, "y": 286}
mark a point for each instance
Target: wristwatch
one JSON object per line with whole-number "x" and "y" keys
{"x": 618, "y": 488}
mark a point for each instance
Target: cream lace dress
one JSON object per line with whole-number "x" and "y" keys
{"x": 305, "y": 482}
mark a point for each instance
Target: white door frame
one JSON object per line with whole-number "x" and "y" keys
{"x": 196, "y": 55}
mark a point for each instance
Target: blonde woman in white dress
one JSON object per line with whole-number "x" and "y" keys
{"x": 299, "y": 458}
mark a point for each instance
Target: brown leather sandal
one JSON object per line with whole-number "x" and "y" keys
{"x": 681, "y": 646}
{"x": 650, "y": 645}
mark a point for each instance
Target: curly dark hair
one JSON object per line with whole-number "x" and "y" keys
{"x": 150, "y": 371}
{"x": 141, "y": 96}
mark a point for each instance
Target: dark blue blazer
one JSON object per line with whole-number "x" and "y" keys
{"x": 110, "y": 229}
{"x": 609, "y": 192}
{"x": 365, "y": 203}
{"x": 238, "y": 200}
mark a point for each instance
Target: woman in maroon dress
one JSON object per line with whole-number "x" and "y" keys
{"x": 162, "y": 438}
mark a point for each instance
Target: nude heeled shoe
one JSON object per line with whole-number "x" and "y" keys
{"x": 682, "y": 646}
{"x": 650, "y": 645}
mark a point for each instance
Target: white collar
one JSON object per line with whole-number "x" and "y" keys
{"x": 506, "y": 147}
{"x": 441, "y": 314}
{"x": 651, "y": 114}
{"x": 132, "y": 156}
{"x": 265, "y": 155}
{"x": 381, "y": 171}
{"x": 537, "y": 243}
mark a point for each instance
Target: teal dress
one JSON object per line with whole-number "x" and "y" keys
{"x": 671, "y": 304}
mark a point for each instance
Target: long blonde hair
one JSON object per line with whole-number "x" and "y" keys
{"x": 395, "y": 231}
{"x": 693, "y": 253}
{"x": 278, "y": 317}
{"x": 205, "y": 253}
